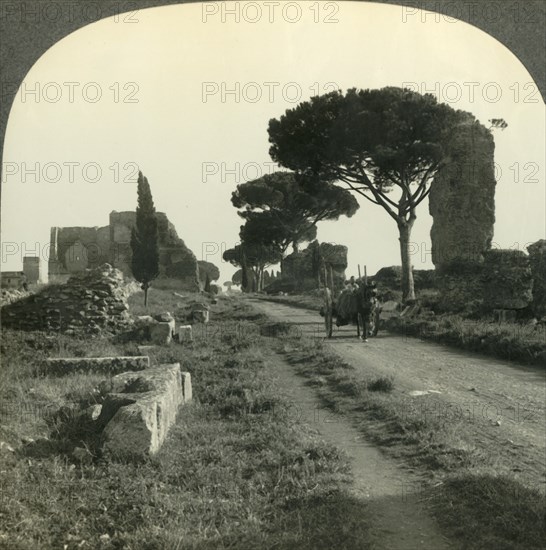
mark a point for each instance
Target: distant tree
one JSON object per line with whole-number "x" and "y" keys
{"x": 237, "y": 277}
{"x": 265, "y": 229}
{"x": 375, "y": 142}
{"x": 252, "y": 259}
{"x": 207, "y": 283}
{"x": 207, "y": 268}
{"x": 279, "y": 211}
{"x": 145, "y": 238}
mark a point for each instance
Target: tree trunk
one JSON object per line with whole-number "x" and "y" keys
{"x": 260, "y": 278}
{"x": 146, "y": 295}
{"x": 408, "y": 290}
{"x": 295, "y": 246}
{"x": 244, "y": 278}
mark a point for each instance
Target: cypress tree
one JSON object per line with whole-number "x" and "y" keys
{"x": 145, "y": 238}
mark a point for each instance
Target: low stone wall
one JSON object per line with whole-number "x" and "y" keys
{"x": 461, "y": 287}
{"x": 507, "y": 280}
{"x": 107, "y": 365}
{"x": 503, "y": 281}
{"x": 89, "y": 303}
{"x": 140, "y": 410}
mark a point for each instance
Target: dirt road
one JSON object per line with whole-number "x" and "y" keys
{"x": 502, "y": 404}
{"x": 398, "y": 520}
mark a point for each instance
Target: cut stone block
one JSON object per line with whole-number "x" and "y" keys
{"x": 161, "y": 333}
{"x": 164, "y": 317}
{"x": 110, "y": 365}
{"x": 185, "y": 333}
{"x": 143, "y": 407}
{"x": 145, "y": 320}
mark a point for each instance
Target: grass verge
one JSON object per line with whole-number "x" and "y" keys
{"x": 235, "y": 471}
{"x": 510, "y": 341}
{"x": 472, "y": 492}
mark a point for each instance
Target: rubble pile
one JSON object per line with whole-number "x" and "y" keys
{"x": 88, "y": 303}
{"x": 7, "y": 296}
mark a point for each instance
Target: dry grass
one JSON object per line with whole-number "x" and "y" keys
{"x": 479, "y": 501}
{"x": 235, "y": 472}
{"x": 511, "y": 341}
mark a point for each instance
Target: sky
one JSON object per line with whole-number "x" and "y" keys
{"x": 185, "y": 93}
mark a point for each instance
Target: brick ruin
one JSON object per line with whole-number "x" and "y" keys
{"x": 75, "y": 249}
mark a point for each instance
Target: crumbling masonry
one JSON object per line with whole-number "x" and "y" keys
{"x": 75, "y": 249}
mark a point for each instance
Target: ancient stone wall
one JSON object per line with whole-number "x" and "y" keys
{"x": 462, "y": 198}
{"x": 31, "y": 269}
{"x": 74, "y": 249}
{"x": 462, "y": 204}
{"x": 507, "y": 280}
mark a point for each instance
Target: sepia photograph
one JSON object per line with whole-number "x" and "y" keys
{"x": 273, "y": 275}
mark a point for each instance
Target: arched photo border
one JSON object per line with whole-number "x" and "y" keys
{"x": 518, "y": 24}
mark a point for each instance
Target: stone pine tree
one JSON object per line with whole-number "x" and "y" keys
{"x": 145, "y": 238}
{"x": 386, "y": 145}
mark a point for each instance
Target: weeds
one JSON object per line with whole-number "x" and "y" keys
{"x": 235, "y": 471}
{"x": 512, "y": 341}
{"x": 473, "y": 506}
{"x": 382, "y": 384}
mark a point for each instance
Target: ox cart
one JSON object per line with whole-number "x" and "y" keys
{"x": 358, "y": 306}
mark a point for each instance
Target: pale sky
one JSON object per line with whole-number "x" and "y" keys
{"x": 161, "y": 108}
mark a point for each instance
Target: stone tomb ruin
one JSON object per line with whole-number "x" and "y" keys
{"x": 306, "y": 268}
{"x": 75, "y": 249}
{"x": 89, "y": 303}
{"x": 470, "y": 276}
{"x": 462, "y": 205}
